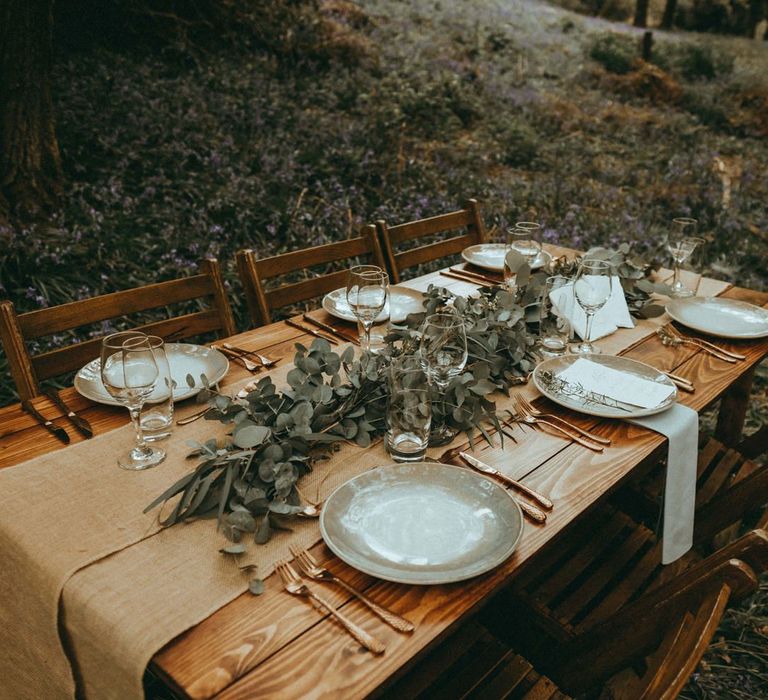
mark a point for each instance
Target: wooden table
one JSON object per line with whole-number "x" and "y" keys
{"x": 277, "y": 646}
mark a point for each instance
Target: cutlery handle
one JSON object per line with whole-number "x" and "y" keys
{"x": 719, "y": 354}
{"x": 466, "y": 278}
{"x": 311, "y": 331}
{"x": 573, "y": 436}
{"x": 367, "y": 640}
{"x": 542, "y": 500}
{"x": 538, "y": 516}
{"x": 236, "y": 357}
{"x": 393, "y": 620}
{"x": 734, "y": 355}
{"x": 681, "y": 383}
{"x": 193, "y": 417}
{"x": 581, "y": 431}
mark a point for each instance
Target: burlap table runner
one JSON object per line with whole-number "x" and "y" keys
{"x": 73, "y": 538}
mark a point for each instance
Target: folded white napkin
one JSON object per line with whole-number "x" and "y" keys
{"x": 612, "y": 316}
{"x": 681, "y": 426}
{"x": 620, "y": 386}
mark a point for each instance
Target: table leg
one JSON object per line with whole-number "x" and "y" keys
{"x": 733, "y": 410}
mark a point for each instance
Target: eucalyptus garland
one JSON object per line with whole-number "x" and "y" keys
{"x": 247, "y": 480}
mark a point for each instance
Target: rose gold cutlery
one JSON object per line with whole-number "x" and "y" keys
{"x": 676, "y": 334}
{"x": 528, "y": 408}
{"x": 680, "y": 382}
{"x": 333, "y": 330}
{"x": 193, "y": 417}
{"x": 478, "y": 275}
{"x": 488, "y": 469}
{"x": 295, "y": 586}
{"x": 83, "y": 426}
{"x": 54, "y": 430}
{"x": 311, "y": 331}
{"x": 312, "y": 569}
{"x": 265, "y": 361}
{"x": 235, "y": 357}
{"x": 669, "y": 338}
{"x": 522, "y": 417}
{"x": 467, "y": 278}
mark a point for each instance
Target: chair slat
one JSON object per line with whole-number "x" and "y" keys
{"x": 513, "y": 672}
{"x": 432, "y": 251}
{"x": 714, "y": 480}
{"x": 299, "y": 259}
{"x": 308, "y": 289}
{"x": 65, "y": 317}
{"x": 68, "y": 359}
{"x": 427, "y": 227}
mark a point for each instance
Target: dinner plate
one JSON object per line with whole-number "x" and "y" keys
{"x": 421, "y": 523}
{"x": 402, "y": 301}
{"x": 491, "y": 256}
{"x": 724, "y": 318}
{"x": 640, "y": 370}
{"x": 183, "y": 358}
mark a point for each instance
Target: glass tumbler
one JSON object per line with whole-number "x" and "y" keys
{"x": 157, "y": 414}
{"x": 409, "y": 410}
{"x": 554, "y": 330}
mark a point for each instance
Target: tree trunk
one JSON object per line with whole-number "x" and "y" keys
{"x": 669, "y": 14}
{"x": 641, "y": 13}
{"x": 30, "y": 164}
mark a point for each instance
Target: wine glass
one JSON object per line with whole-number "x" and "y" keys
{"x": 681, "y": 242}
{"x": 521, "y": 239}
{"x": 443, "y": 352}
{"x": 129, "y": 373}
{"x": 367, "y": 292}
{"x": 592, "y": 289}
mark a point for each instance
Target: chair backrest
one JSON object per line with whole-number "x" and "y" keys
{"x": 27, "y": 370}
{"x": 254, "y": 272}
{"x": 392, "y": 237}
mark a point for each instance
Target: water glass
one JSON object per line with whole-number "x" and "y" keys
{"x": 554, "y": 330}
{"x": 157, "y": 415}
{"x": 409, "y": 410}
{"x": 129, "y": 373}
{"x": 592, "y": 289}
{"x": 367, "y": 293}
{"x": 522, "y": 240}
{"x": 681, "y": 242}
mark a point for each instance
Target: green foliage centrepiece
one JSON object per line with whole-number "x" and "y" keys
{"x": 248, "y": 479}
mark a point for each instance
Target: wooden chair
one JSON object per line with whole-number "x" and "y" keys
{"x": 665, "y": 634}
{"x": 255, "y": 272}
{"x": 392, "y": 237}
{"x": 16, "y": 330}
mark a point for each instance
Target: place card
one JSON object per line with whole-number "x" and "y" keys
{"x": 615, "y": 384}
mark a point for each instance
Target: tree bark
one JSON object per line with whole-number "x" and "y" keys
{"x": 668, "y": 18}
{"x": 641, "y": 13}
{"x": 30, "y": 163}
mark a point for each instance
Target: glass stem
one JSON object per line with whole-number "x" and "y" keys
{"x": 676, "y": 278}
{"x": 366, "y": 344}
{"x": 588, "y": 334}
{"x": 141, "y": 444}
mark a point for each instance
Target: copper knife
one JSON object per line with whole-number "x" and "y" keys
{"x": 311, "y": 331}
{"x": 488, "y": 469}
{"x": 60, "y": 433}
{"x": 330, "y": 329}
{"x": 78, "y": 421}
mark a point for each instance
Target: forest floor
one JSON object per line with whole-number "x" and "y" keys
{"x": 538, "y": 112}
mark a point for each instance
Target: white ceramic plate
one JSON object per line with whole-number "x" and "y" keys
{"x": 183, "y": 358}
{"x": 402, "y": 301}
{"x": 421, "y": 523}
{"x": 623, "y": 364}
{"x": 724, "y": 318}
{"x": 491, "y": 256}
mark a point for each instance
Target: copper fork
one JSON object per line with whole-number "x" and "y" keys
{"x": 704, "y": 343}
{"x": 523, "y": 417}
{"x": 263, "y": 359}
{"x": 311, "y": 567}
{"x": 295, "y": 586}
{"x": 527, "y": 407}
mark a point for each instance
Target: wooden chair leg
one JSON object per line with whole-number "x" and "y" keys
{"x": 733, "y": 410}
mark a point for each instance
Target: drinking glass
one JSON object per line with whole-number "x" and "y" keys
{"x": 554, "y": 330}
{"x": 409, "y": 410}
{"x": 157, "y": 415}
{"x": 367, "y": 292}
{"x": 681, "y": 242}
{"x": 129, "y": 373}
{"x": 522, "y": 239}
{"x": 443, "y": 352}
{"x": 592, "y": 289}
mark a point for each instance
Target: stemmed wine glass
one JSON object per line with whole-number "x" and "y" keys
{"x": 522, "y": 239}
{"x": 129, "y": 373}
{"x": 592, "y": 289}
{"x": 367, "y": 292}
{"x": 681, "y": 242}
{"x": 443, "y": 352}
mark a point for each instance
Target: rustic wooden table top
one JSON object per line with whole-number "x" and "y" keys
{"x": 276, "y": 646}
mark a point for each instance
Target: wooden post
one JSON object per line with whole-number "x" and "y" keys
{"x": 733, "y": 410}
{"x": 647, "y": 46}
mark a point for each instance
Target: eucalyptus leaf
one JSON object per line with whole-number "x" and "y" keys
{"x": 256, "y": 586}
{"x": 234, "y": 549}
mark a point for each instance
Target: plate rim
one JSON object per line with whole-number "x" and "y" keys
{"x": 327, "y": 307}
{"x": 640, "y": 413}
{"x": 437, "y": 579}
{"x": 709, "y": 331}
{"x": 545, "y": 254}
{"x": 77, "y": 382}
